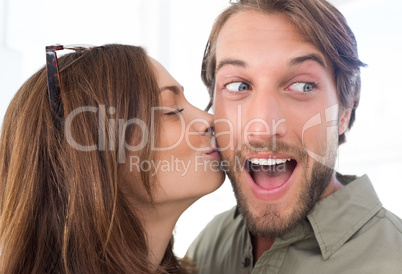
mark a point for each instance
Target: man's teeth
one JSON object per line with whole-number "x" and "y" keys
{"x": 268, "y": 162}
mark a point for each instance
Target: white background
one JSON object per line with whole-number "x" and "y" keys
{"x": 175, "y": 32}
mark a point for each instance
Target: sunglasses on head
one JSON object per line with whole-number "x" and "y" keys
{"x": 53, "y": 79}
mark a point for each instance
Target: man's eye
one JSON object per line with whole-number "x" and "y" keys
{"x": 175, "y": 112}
{"x": 302, "y": 87}
{"x": 238, "y": 86}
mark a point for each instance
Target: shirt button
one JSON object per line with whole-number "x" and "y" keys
{"x": 246, "y": 262}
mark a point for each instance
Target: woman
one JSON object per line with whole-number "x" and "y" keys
{"x": 93, "y": 180}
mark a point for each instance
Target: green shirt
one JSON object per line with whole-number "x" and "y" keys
{"x": 346, "y": 232}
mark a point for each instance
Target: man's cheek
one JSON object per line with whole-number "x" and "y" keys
{"x": 224, "y": 135}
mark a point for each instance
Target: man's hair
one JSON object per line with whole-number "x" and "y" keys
{"x": 322, "y": 24}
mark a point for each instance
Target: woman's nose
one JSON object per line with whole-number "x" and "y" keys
{"x": 203, "y": 124}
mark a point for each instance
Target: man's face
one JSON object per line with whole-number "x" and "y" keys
{"x": 276, "y": 120}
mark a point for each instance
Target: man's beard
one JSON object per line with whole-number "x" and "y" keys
{"x": 271, "y": 222}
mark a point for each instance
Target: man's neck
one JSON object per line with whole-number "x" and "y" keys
{"x": 333, "y": 187}
{"x": 260, "y": 245}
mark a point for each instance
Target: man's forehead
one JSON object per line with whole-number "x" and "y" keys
{"x": 248, "y": 32}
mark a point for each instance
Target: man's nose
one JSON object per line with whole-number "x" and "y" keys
{"x": 264, "y": 117}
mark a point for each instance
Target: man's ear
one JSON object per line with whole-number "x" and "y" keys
{"x": 344, "y": 118}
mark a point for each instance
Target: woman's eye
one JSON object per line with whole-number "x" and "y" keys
{"x": 238, "y": 86}
{"x": 175, "y": 112}
{"x": 302, "y": 87}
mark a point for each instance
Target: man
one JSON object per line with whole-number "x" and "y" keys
{"x": 284, "y": 76}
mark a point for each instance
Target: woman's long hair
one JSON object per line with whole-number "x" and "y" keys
{"x": 64, "y": 206}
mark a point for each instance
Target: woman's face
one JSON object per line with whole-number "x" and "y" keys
{"x": 187, "y": 163}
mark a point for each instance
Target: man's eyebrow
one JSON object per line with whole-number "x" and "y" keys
{"x": 233, "y": 62}
{"x": 310, "y": 57}
{"x": 175, "y": 89}
{"x": 293, "y": 62}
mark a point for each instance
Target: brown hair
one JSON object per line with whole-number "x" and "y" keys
{"x": 318, "y": 20}
{"x": 64, "y": 210}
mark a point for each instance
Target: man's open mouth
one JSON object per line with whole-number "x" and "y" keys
{"x": 270, "y": 173}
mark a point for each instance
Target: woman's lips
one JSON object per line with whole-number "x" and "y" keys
{"x": 214, "y": 154}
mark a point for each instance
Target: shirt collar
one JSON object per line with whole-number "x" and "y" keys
{"x": 337, "y": 217}
{"x": 236, "y": 212}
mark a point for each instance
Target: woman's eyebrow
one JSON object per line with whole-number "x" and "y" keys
{"x": 175, "y": 89}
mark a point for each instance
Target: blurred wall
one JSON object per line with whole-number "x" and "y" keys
{"x": 175, "y": 33}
